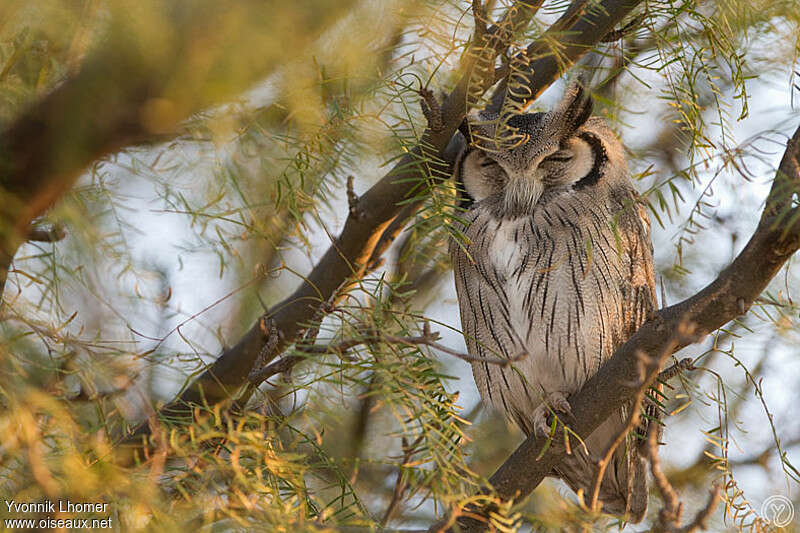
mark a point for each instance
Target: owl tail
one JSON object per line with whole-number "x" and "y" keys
{"x": 623, "y": 491}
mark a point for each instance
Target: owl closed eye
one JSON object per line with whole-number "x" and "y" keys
{"x": 482, "y": 176}
{"x": 569, "y": 164}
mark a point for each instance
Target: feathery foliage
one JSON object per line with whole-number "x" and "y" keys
{"x": 204, "y": 157}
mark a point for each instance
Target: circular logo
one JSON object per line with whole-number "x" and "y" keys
{"x": 778, "y": 510}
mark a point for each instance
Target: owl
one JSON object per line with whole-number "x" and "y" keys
{"x": 556, "y": 263}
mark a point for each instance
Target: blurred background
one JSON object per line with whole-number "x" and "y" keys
{"x": 254, "y": 114}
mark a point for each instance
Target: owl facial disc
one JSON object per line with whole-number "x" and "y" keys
{"x": 522, "y": 156}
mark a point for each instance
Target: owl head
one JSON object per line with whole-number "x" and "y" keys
{"x": 516, "y": 160}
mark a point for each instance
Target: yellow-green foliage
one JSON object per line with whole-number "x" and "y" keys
{"x": 254, "y": 114}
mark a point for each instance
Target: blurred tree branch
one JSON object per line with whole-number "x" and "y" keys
{"x": 133, "y": 89}
{"x": 775, "y": 240}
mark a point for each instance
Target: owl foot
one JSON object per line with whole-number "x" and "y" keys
{"x": 553, "y": 402}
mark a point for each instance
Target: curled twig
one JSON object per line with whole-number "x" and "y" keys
{"x": 432, "y": 110}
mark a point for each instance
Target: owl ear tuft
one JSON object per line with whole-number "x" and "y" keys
{"x": 576, "y": 107}
{"x": 465, "y": 200}
{"x": 464, "y": 129}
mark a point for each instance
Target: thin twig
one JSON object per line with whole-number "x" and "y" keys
{"x": 431, "y": 109}
{"x": 401, "y": 484}
{"x": 673, "y": 508}
{"x": 352, "y": 201}
{"x": 646, "y": 370}
{"x": 669, "y": 517}
{"x": 340, "y": 349}
{"x": 430, "y": 339}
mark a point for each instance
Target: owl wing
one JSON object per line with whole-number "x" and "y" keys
{"x": 624, "y": 487}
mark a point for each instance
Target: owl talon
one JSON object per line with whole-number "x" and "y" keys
{"x": 541, "y": 428}
{"x": 554, "y": 402}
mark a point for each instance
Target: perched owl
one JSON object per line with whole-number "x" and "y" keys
{"x": 556, "y": 263}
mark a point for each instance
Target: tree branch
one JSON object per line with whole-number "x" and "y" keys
{"x": 124, "y": 94}
{"x": 574, "y": 34}
{"x": 775, "y": 240}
